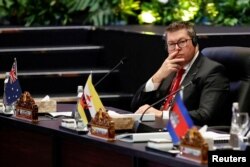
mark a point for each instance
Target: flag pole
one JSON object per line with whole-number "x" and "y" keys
{"x": 15, "y": 65}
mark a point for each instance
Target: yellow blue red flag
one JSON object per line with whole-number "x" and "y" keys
{"x": 89, "y": 103}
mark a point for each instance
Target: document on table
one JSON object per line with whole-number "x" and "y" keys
{"x": 136, "y": 117}
{"x": 142, "y": 137}
{"x": 57, "y": 114}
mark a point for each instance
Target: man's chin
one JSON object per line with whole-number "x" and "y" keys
{"x": 182, "y": 64}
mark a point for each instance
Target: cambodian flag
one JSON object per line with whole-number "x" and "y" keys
{"x": 180, "y": 121}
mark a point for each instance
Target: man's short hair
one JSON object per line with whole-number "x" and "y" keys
{"x": 175, "y": 26}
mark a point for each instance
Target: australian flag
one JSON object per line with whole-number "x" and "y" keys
{"x": 12, "y": 88}
{"x": 180, "y": 121}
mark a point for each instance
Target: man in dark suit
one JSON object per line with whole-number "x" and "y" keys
{"x": 206, "y": 99}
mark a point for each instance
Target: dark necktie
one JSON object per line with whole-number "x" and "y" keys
{"x": 174, "y": 87}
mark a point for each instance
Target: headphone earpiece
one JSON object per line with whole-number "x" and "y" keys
{"x": 194, "y": 41}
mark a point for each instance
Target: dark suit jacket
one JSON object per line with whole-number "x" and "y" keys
{"x": 206, "y": 100}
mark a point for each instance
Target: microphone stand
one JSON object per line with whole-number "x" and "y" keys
{"x": 165, "y": 97}
{"x": 112, "y": 70}
{"x": 146, "y": 128}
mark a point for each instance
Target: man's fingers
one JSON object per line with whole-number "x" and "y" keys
{"x": 177, "y": 60}
{"x": 142, "y": 109}
{"x": 172, "y": 55}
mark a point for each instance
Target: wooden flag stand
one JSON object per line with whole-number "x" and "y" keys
{"x": 193, "y": 147}
{"x": 26, "y": 108}
{"x": 102, "y": 126}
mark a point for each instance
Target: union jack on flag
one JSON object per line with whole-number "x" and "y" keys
{"x": 12, "y": 88}
{"x": 13, "y": 76}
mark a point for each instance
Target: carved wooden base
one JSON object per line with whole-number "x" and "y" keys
{"x": 29, "y": 115}
{"x": 26, "y": 108}
{"x": 107, "y": 133}
{"x": 196, "y": 154}
{"x": 194, "y": 147}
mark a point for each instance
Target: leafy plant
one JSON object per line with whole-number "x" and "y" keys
{"x": 171, "y": 10}
{"x": 35, "y": 12}
{"x": 233, "y": 12}
{"x": 107, "y": 12}
{"x": 63, "y": 12}
{"x": 103, "y": 12}
{"x": 209, "y": 12}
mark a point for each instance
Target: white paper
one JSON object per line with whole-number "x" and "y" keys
{"x": 142, "y": 137}
{"x": 136, "y": 117}
{"x": 57, "y": 114}
{"x": 46, "y": 98}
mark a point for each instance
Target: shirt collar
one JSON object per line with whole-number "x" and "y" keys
{"x": 188, "y": 66}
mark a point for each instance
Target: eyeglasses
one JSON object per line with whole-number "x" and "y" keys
{"x": 181, "y": 44}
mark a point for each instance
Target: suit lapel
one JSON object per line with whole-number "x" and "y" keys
{"x": 165, "y": 86}
{"x": 192, "y": 71}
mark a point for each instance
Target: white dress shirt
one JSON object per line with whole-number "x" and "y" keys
{"x": 150, "y": 86}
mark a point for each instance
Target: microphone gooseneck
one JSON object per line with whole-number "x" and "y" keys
{"x": 140, "y": 127}
{"x": 112, "y": 70}
{"x": 194, "y": 81}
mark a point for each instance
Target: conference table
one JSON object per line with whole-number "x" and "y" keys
{"x": 44, "y": 144}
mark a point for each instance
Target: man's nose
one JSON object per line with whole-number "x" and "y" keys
{"x": 177, "y": 47}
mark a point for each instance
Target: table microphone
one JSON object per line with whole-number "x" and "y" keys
{"x": 112, "y": 70}
{"x": 139, "y": 127}
{"x": 122, "y": 61}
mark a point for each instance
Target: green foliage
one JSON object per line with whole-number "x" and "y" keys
{"x": 35, "y": 12}
{"x": 100, "y": 12}
{"x": 208, "y": 12}
{"x": 63, "y": 12}
{"x": 107, "y": 12}
{"x": 233, "y": 12}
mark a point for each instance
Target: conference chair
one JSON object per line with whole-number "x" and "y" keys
{"x": 237, "y": 63}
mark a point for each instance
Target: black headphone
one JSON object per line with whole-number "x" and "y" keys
{"x": 194, "y": 40}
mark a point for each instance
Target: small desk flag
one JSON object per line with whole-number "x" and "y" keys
{"x": 179, "y": 121}
{"x": 12, "y": 88}
{"x": 89, "y": 103}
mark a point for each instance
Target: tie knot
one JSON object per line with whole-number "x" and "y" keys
{"x": 180, "y": 72}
